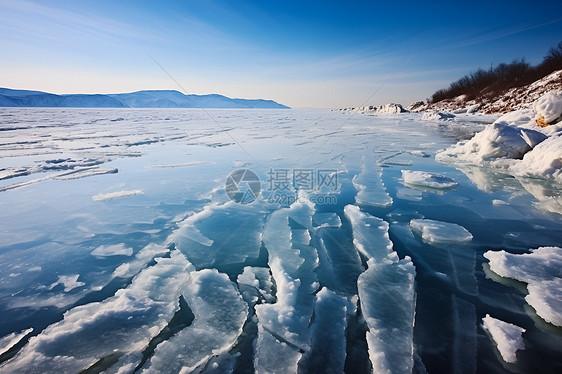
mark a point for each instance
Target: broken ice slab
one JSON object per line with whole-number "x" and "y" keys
{"x": 386, "y": 293}
{"x": 370, "y": 234}
{"x": 425, "y": 179}
{"x": 507, "y": 336}
{"x": 541, "y": 270}
{"x": 328, "y": 350}
{"x": 219, "y": 313}
{"x": 433, "y": 231}
{"x": 221, "y": 235}
{"x": 284, "y": 327}
{"x": 387, "y": 296}
{"x": 125, "y": 322}
{"x": 369, "y": 185}
{"x": 327, "y": 219}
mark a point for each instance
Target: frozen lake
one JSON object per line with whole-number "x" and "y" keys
{"x": 152, "y": 240}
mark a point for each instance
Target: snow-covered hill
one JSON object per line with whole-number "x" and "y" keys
{"x": 140, "y": 99}
{"x": 513, "y": 99}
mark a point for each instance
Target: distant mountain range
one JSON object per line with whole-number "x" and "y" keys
{"x": 139, "y": 99}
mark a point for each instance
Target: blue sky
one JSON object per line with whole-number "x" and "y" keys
{"x": 299, "y": 53}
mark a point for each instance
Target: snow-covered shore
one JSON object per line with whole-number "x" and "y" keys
{"x": 525, "y": 142}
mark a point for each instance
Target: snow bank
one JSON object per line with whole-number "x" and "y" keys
{"x": 427, "y": 179}
{"x": 516, "y": 143}
{"x": 508, "y": 337}
{"x": 542, "y": 271}
{"x": 440, "y": 232}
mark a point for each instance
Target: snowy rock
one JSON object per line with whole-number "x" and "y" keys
{"x": 391, "y": 109}
{"x": 549, "y": 107}
{"x": 542, "y": 271}
{"x": 415, "y": 106}
{"x": 437, "y": 116}
{"x": 427, "y": 179}
{"x": 433, "y": 231}
{"x": 508, "y": 337}
{"x": 497, "y": 141}
{"x": 516, "y": 144}
{"x": 473, "y": 108}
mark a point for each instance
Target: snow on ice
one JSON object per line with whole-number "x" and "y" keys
{"x": 427, "y": 179}
{"x": 542, "y": 271}
{"x": 507, "y": 336}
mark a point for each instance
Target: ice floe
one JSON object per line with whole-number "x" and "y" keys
{"x": 369, "y": 185}
{"x": 69, "y": 282}
{"x": 541, "y": 269}
{"x": 115, "y": 195}
{"x": 112, "y": 250}
{"x": 427, "y": 179}
{"x": 507, "y": 336}
{"x": 433, "y": 231}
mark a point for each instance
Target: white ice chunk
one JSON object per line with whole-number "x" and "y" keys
{"x": 258, "y": 278}
{"x": 433, "y": 231}
{"x": 115, "y": 195}
{"x": 545, "y": 160}
{"x": 549, "y": 106}
{"x": 112, "y": 250}
{"x": 427, "y": 179}
{"x": 220, "y": 313}
{"x": 328, "y": 219}
{"x": 284, "y": 327}
{"x": 128, "y": 269}
{"x": 387, "y": 295}
{"x": 542, "y": 270}
{"x": 370, "y": 234}
{"x": 369, "y": 185}
{"x": 328, "y": 351}
{"x": 69, "y": 282}
{"x": 508, "y": 337}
